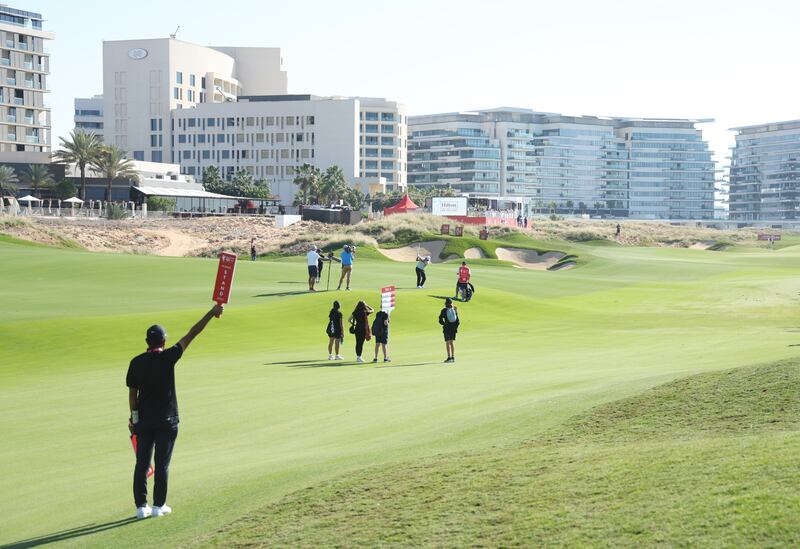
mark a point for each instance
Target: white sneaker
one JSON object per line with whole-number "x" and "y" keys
{"x": 339, "y": 357}
{"x": 144, "y": 511}
{"x": 330, "y": 357}
{"x": 161, "y": 511}
{"x": 359, "y": 359}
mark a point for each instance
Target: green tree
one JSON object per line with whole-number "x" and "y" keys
{"x": 161, "y": 204}
{"x": 308, "y": 180}
{"x": 37, "y": 177}
{"x": 552, "y": 206}
{"x": 8, "y": 180}
{"x": 64, "y": 189}
{"x": 212, "y": 180}
{"x": 81, "y": 149}
{"x": 570, "y": 204}
{"x": 111, "y": 163}
{"x": 333, "y": 185}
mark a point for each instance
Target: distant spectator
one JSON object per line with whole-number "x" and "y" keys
{"x": 618, "y": 230}
{"x": 359, "y": 327}
{"x": 422, "y": 262}
{"x": 335, "y": 331}
{"x": 348, "y": 255}
{"x": 525, "y": 221}
{"x": 312, "y": 258}
{"x": 448, "y": 318}
{"x": 380, "y": 329}
{"x": 253, "y": 249}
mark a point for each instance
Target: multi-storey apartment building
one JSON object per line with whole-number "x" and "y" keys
{"x": 144, "y": 80}
{"x": 384, "y": 130}
{"x": 626, "y": 167}
{"x": 89, "y": 114}
{"x": 271, "y": 136}
{"x": 764, "y": 173}
{"x": 25, "y": 65}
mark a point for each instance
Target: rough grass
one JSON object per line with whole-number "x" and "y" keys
{"x": 709, "y": 461}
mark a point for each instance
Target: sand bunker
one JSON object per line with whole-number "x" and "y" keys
{"x": 703, "y": 244}
{"x": 529, "y": 259}
{"x": 474, "y": 253}
{"x": 409, "y": 253}
{"x": 180, "y": 244}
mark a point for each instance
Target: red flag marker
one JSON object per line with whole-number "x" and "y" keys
{"x": 150, "y": 469}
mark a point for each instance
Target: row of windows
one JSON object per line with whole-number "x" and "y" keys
{"x": 383, "y": 116}
{"x": 192, "y": 80}
{"x": 244, "y": 122}
{"x": 373, "y": 128}
{"x": 244, "y": 154}
{"x": 374, "y": 153}
{"x": 229, "y": 138}
{"x": 384, "y": 164}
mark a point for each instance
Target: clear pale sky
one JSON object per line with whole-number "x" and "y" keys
{"x": 734, "y": 61}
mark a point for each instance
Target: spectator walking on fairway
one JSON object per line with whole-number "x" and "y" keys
{"x": 312, "y": 258}
{"x": 359, "y": 327}
{"x": 448, "y": 318}
{"x": 618, "y": 230}
{"x": 335, "y": 331}
{"x": 380, "y": 329}
{"x": 462, "y": 286}
{"x": 348, "y": 255}
{"x": 154, "y": 411}
{"x": 422, "y": 262}
{"x": 252, "y": 249}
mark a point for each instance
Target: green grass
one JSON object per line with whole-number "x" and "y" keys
{"x": 267, "y": 423}
{"x": 707, "y": 460}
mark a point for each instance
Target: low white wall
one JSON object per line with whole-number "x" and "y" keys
{"x": 282, "y": 221}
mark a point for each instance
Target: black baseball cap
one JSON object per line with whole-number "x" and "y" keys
{"x": 156, "y": 333}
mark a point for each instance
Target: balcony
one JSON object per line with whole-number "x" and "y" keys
{"x": 29, "y": 120}
{"x": 9, "y": 43}
{"x": 18, "y": 101}
{"x": 32, "y": 138}
{"x": 11, "y": 118}
{"x": 23, "y": 45}
{"x": 11, "y": 137}
{"x": 12, "y": 81}
{"x": 5, "y": 61}
{"x": 28, "y": 64}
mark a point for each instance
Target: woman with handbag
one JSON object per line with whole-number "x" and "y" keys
{"x": 359, "y": 327}
{"x": 335, "y": 331}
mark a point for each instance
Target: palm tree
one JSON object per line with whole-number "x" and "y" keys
{"x": 38, "y": 177}
{"x": 332, "y": 185}
{"x": 308, "y": 181}
{"x": 81, "y": 149}
{"x": 8, "y": 180}
{"x": 112, "y": 163}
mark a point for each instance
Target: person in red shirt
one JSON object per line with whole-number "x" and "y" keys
{"x": 462, "y": 286}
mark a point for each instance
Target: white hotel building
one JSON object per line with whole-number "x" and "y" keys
{"x": 165, "y": 100}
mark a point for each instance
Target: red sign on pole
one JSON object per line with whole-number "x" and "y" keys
{"x": 387, "y": 298}
{"x": 222, "y": 287}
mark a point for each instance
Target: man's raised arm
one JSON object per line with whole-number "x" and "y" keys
{"x": 186, "y": 340}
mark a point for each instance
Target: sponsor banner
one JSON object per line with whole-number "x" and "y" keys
{"x": 446, "y": 205}
{"x": 387, "y": 298}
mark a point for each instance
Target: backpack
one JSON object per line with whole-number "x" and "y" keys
{"x": 452, "y": 316}
{"x": 377, "y": 325}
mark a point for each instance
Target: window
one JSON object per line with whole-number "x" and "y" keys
{"x": 387, "y": 140}
{"x": 201, "y": 138}
{"x": 310, "y": 120}
{"x": 371, "y": 164}
{"x": 176, "y": 93}
{"x": 298, "y": 137}
{"x": 203, "y": 82}
{"x": 153, "y": 125}
{"x": 226, "y": 154}
{"x": 179, "y": 77}
{"x": 154, "y": 140}
{"x": 371, "y": 116}
{"x": 259, "y": 138}
{"x": 138, "y": 155}
{"x": 182, "y": 138}
{"x": 387, "y": 128}
{"x": 156, "y": 156}
{"x": 191, "y": 80}
{"x": 192, "y": 122}
{"x": 387, "y": 152}
{"x": 206, "y": 155}
{"x": 371, "y": 152}
{"x": 387, "y": 117}
{"x": 210, "y": 122}
{"x": 187, "y": 154}
{"x": 371, "y": 128}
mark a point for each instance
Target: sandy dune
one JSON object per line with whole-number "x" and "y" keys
{"x": 409, "y": 253}
{"x": 703, "y": 244}
{"x": 474, "y": 253}
{"x": 180, "y": 244}
{"x": 529, "y": 259}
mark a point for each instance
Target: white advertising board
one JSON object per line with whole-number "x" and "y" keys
{"x": 441, "y": 205}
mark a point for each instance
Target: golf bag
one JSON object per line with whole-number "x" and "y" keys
{"x": 465, "y": 291}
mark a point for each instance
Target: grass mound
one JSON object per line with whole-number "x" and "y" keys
{"x": 713, "y": 465}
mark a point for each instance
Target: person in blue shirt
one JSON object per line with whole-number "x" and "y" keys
{"x": 348, "y": 255}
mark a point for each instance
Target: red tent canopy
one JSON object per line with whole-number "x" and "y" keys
{"x": 404, "y": 206}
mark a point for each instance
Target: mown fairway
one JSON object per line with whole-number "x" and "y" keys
{"x": 263, "y": 415}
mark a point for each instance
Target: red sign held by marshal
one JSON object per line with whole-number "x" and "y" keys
{"x": 222, "y": 287}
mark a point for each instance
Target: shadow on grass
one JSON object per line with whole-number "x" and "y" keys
{"x": 340, "y": 363}
{"x": 284, "y": 294}
{"x": 72, "y": 533}
{"x": 289, "y": 362}
{"x": 442, "y": 297}
{"x": 292, "y": 282}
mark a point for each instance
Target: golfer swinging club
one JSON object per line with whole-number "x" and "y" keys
{"x": 154, "y": 411}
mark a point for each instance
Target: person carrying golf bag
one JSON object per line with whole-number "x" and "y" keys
{"x": 463, "y": 287}
{"x": 154, "y": 411}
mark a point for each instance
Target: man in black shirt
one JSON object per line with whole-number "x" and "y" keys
{"x": 154, "y": 411}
